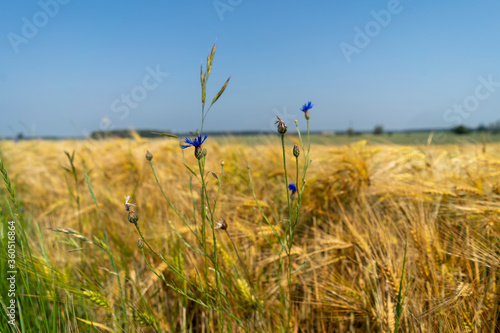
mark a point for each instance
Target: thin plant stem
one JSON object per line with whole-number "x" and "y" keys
{"x": 308, "y": 140}
{"x": 204, "y": 195}
{"x": 203, "y": 217}
{"x": 176, "y": 271}
{"x": 106, "y": 239}
{"x": 182, "y": 217}
{"x": 239, "y": 258}
{"x": 211, "y": 219}
{"x": 191, "y": 191}
{"x": 290, "y": 232}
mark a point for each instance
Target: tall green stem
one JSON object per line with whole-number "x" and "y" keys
{"x": 289, "y": 244}
{"x": 308, "y": 140}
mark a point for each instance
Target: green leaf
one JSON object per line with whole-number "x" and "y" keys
{"x": 167, "y": 134}
{"x": 69, "y": 156}
{"x": 66, "y": 169}
{"x": 220, "y": 92}
{"x": 194, "y": 173}
{"x": 302, "y": 265}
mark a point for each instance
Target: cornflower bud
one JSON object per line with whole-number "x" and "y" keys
{"x": 133, "y": 217}
{"x": 198, "y": 153}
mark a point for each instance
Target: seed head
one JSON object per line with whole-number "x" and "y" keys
{"x": 281, "y": 126}
{"x": 149, "y": 156}
{"x": 133, "y": 217}
{"x": 296, "y": 151}
{"x": 221, "y": 225}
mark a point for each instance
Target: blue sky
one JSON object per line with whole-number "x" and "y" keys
{"x": 67, "y": 66}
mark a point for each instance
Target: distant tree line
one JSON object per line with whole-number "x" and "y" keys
{"x": 377, "y": 130}
{"x": 492, "y": 128}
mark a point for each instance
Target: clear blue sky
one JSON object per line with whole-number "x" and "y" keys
{"x": 425, "y": 66}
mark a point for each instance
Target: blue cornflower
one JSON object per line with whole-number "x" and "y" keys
{"x": 292, "y": 187}
{"x": 306, "y": 107}
{"x": 196, "y": 142}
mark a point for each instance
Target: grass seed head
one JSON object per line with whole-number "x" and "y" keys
{"x": 97, "y": 298}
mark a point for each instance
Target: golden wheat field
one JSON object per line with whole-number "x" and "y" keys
{"x": 366, "y": 210}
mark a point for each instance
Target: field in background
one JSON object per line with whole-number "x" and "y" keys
{"x": 399, "y": 138}
{"x": 364, "y": 203}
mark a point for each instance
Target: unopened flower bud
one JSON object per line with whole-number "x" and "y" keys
{"x": 204, "y": 152}
{"x": 140, "y": 244}
{"x": 198, "y": 153}
{"x": 296, "y": 151}
{"x": 222, "y": 163}
{"x": 133, "y": 217}
{"x": 149, "y": 156}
